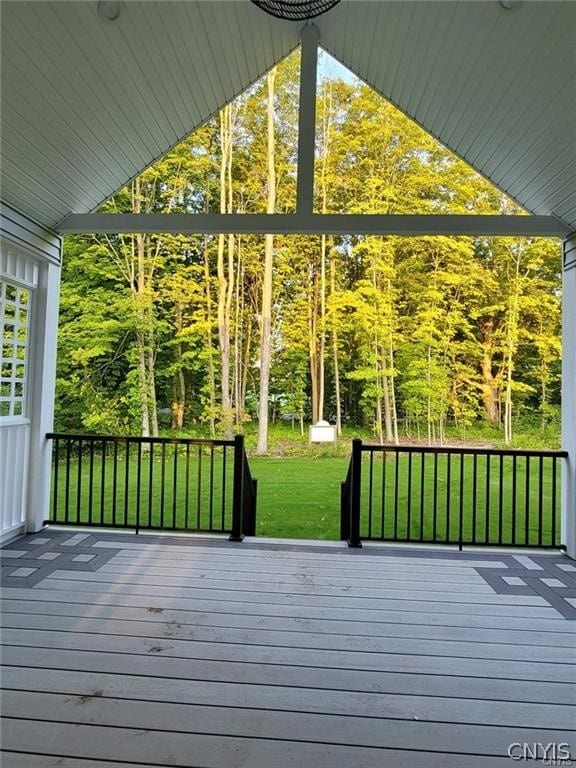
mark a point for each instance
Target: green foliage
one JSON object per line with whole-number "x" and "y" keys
{"x": 436, "y": 336}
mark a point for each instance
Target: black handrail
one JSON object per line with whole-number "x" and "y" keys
{"x": 452, "y": 495}
{"x": 155, "y": 483}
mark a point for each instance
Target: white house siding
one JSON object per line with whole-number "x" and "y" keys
{"x": 29, "y": 259}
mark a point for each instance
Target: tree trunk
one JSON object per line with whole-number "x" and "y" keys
{"x": 266, "y": 328}
{"x": 178, "y": 380}
{"x": 225, "y": 275}
{"x": 312, "y": 348}
{"x": 393, "y": 409}
{"x": 490, "y": 384}
{"x": 335, "y": 360}
{"x": 387, "y": 408}
{"x": 211, "y": 374}
{"x": 152, "y": 383}
{"x": 145, "y": 416}
{"x": 322, "y": 339}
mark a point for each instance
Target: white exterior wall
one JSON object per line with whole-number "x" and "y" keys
{"x": 30, "y": 259}
{"x": 569, "y": 396}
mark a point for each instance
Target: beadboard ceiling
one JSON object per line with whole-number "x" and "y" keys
{"x": 87, "y": 104}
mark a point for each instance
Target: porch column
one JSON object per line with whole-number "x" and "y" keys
{"x": 42, "y": 394}
{"x": 569, "y": 395}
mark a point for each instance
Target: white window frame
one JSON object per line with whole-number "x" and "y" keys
{"x": 16, "y": 314}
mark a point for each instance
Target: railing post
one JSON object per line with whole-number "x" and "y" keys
{"x": 354, "y": 537}
{"x": 238, "y": 491}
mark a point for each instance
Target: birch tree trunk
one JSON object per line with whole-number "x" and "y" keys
{"x": 266, "y": 322}
{"x": 209, "y": 320}
{"x": 335, "y": 359}
{"x": 225, "y": 273}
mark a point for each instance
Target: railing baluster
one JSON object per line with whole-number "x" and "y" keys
{"x": 383, "y": 509}
{"x": 114, "y": 481}
{"x": 56, "y": 462}
{"x": 501, "y": 499}
{"x": 448, "y": 494}
{"x": 527, "y": 503}
{"x": 223, "y": 527}
{"x": 435, "y": 501}
{"x": 461, "y": 508}
{"x": 162, "y": 484}
{"x": 409, "y": 497}
{"x": 138, "y": 484}
{"x": 103, "y": 483}
{"x": 422, "y": 486}
{"x": 67, "y": 484}
{"x": 211, "y": 505}
{"x": 540, "y": 497}
{"x": 175, "y": 485}
{"x": 79, "y": 482}
{"x": 396, "y": 483}
{"x": 553, "y": 502}
{"x": 199, "y": 489}
{"x": 126, "y": 482}
{"x": 370, "y": 493}
{"x": 150, "y": 484}
{"x": 474, "y": 495}
{"x": 91, "y": 481}
{"x": 487, "y": 500}
{"x": 514, "y": 496}
{"x": 187, "y": 493}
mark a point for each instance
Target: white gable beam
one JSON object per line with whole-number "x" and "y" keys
{"x": 314, "y": 224}
{"x": 307, "y": 120}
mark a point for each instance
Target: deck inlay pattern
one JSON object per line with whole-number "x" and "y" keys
{"x": 124, "y": 650}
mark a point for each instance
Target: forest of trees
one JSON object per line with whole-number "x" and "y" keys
{"x": 201, "y": 334}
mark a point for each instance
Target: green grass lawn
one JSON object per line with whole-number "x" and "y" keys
{"x": 299, "y": 496}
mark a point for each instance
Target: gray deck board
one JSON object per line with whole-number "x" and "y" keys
{"x": 305, "y": 585}
{"x": 202, "y": 654}
{"x": 245, "y": 723}
{"x": 275, "y": 697}
{"x": 330, "y": 642}
{"x": 388, "y": 683}
{"x": 206, "y": 751}
{"x": 458, "y": 582}
{"x": 493, "y": 604}
{"x": 344, "y": 628}
{"x": 303, "y": 657}
{"x": 550, "y": 622}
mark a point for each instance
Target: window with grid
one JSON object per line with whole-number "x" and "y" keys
{"x": 15, "y": 336}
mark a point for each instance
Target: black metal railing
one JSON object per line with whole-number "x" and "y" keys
{"x": 152, "y": 483}
{"x": 451, "y": 495}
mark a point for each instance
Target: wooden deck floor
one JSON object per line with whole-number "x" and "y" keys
{"x": 137, "y": 650}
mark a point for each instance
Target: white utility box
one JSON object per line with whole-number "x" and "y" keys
{"x": 322, "y": 432}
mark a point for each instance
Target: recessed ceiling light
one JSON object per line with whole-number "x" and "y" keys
{"x": 110, "y": 10}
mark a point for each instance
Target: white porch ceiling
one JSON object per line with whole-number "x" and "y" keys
{"x": 86, "y": 104}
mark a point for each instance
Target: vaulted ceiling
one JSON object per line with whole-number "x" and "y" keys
{"x": 87, "y": 104}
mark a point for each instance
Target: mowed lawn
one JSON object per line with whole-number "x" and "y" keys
{"x": 299, "y": 497}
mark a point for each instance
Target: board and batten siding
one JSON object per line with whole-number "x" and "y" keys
{"x": 29, "y": 262}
